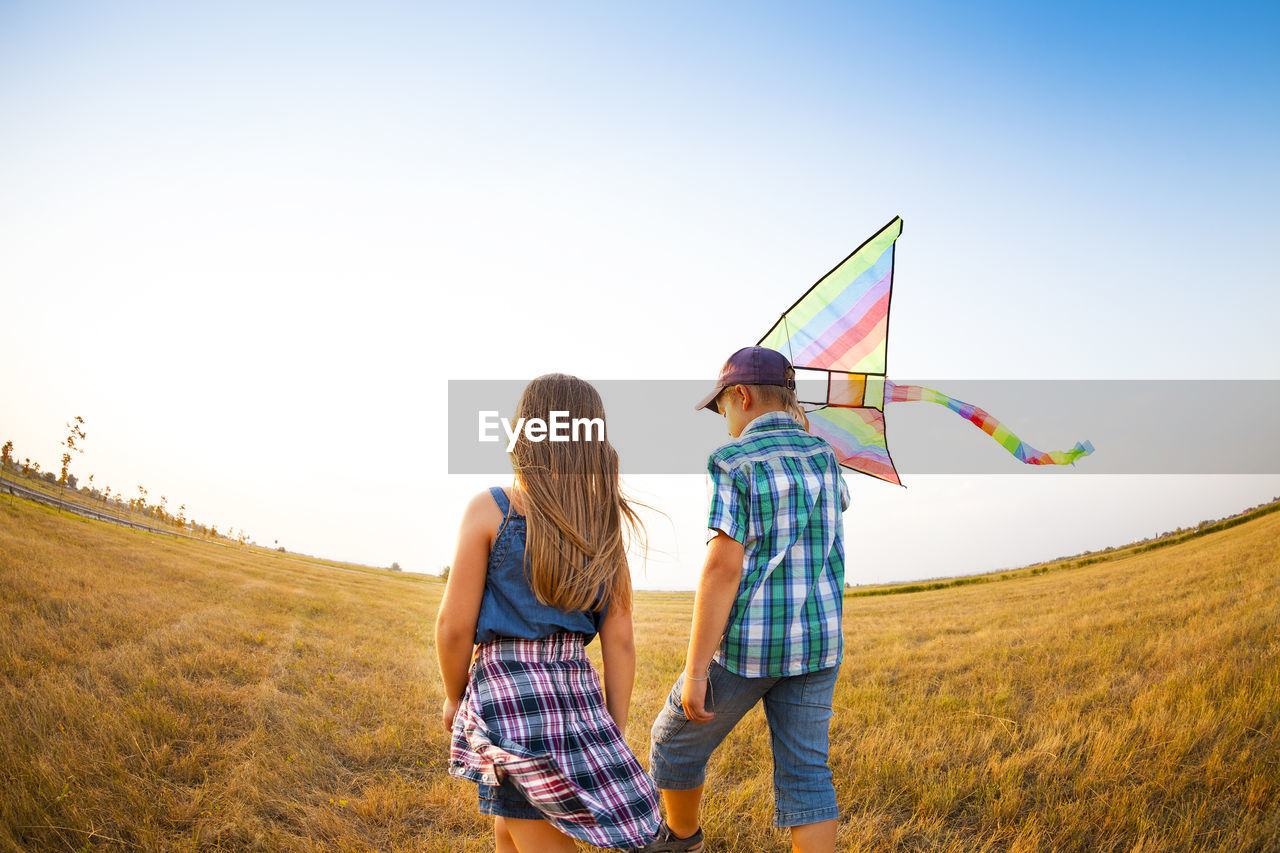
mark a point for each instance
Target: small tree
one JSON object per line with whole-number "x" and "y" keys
{"x": 75, "y": 433}
{"x": 444, "y": 575}
{"x": 395, "y": 567}
{"x": 6, "y": 454}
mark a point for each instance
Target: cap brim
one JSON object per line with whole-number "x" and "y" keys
{"x": 709, "y": 401}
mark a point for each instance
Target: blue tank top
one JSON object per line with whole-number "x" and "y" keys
{"x": 509, "y": 608}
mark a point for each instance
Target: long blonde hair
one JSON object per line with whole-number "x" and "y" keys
{"x": 574, "y": 510}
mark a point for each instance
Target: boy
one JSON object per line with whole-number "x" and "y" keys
{"x": 766, "y": 622}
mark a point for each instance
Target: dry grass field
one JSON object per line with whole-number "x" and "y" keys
{"x": 161, "y": 694}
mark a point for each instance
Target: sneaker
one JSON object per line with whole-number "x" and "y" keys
{"x": 668, "y": 842}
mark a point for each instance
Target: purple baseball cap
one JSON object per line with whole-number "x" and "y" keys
{"x": 751, "y": 366}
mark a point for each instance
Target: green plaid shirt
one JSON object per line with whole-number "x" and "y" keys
{"x": 778, "y": 490}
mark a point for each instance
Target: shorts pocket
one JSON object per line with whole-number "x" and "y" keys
{"x": 818, "y": 688}
{"x": 671, "y": 719}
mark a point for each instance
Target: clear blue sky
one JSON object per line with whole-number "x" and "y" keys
{"x": 250, "y": 242}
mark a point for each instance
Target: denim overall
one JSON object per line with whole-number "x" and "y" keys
{"x": 509, "y": 608}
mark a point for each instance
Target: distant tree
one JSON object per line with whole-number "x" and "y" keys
{"x": 6, "y": 454}
{"x": 181, "y": 518}
{"x": 395, "y": 567}
{"x": 71, "y": 481}
{"x": 444, "y": 575}
{"x": 49, "y": 477}
{"x": 75, "y": 434}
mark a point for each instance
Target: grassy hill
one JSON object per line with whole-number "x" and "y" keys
{"x": 169, "y": 694}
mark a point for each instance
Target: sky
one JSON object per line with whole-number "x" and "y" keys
{"x": 252, "y": 243}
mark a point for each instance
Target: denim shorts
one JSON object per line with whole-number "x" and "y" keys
{"x": 798, "y": 711}
{"x": 505, "y": 800}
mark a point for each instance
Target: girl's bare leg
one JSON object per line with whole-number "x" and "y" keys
{"x": 537, "y": 836}
{"x": 502, "y": 840}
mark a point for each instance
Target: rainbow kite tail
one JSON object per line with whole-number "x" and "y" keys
{"x": 984, "y": 421}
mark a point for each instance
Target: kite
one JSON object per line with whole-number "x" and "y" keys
{"x": 841, "y": 326}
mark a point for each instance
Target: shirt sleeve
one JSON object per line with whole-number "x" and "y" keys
{"x": 728, "y": 501}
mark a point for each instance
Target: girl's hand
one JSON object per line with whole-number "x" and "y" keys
{"x": 460, "y": 606}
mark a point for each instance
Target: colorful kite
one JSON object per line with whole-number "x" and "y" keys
{"x": 841, "y": 326}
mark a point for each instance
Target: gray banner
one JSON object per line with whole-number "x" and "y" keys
{"x": 1136, "y": 426}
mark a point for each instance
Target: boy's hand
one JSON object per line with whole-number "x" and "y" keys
{"x": 717, "y": 587}
{"x": 693, "y": 698}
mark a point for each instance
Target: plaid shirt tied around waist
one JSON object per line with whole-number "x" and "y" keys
{"x": 533, "y": 713}
{"x": 778, "y": 490}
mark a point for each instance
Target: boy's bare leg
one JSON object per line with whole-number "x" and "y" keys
{"x": 817, "y": 837}
{"x": 682, "y": 810}
{"x": 502, "y": 840}
{"x": 537, "y": 836}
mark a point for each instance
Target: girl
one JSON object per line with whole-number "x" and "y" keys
{"x": 540, "y": 570}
